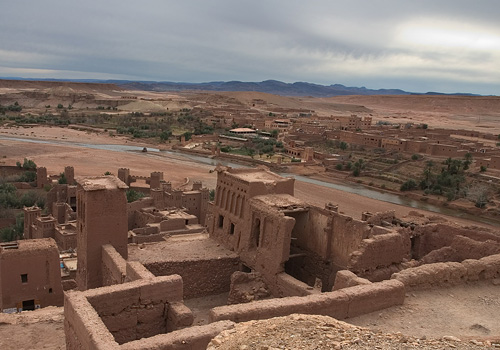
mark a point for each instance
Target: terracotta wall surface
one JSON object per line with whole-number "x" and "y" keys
{"x": 435, "y": 236}
{"x": 38, "y": 261}
{"x": 114, "y": 267}
{"x": 345, "y": 303}
{"x": 102, "y": 219}
{"x": 200, "y": 277}
{"x": 449, "y": 273}
{"x": 145, "y": 314}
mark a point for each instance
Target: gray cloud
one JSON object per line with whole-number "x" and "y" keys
{"x": 450, "y": 45}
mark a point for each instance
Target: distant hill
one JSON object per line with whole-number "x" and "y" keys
{"x": 267, "y": 86}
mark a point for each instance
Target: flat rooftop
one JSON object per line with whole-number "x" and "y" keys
{"x": 97, "y": 183}
{"x": 281, "y": 201}
{"x": 187, "y": 247}
{"x": 256, "y": 175}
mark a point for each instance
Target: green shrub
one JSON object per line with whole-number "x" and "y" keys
{"x": 408, "y": 185}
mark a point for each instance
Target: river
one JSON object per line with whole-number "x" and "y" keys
{"x": 347, "y": 187}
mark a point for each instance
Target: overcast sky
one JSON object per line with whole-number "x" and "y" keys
{"x": 415, "y": 45}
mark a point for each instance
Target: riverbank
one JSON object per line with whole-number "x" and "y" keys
{"x": 55, "y": 154}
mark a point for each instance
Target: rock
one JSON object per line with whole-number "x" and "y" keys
{"x": 451, "y": 338}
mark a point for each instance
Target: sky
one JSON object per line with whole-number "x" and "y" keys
{"x": 415, "y": 45}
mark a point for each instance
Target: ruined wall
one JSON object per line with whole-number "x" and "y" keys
{"x": 200, "y": 277}
{"x": 436, "y": 236}
{"x": 342, "y": 304}
{"x": 137, "y": 309}
{"x": 145, "y": 314}
{"x": 114, "y": 267}
{"x": 265, "y": 245}
{"x": 346, "y": 279}
{"x": 289, "y": 286}
{"x": 311, "y": 235}
{"x": 347, "y": 235}
{"x": 449, "y": 273}
{"x": 132, "y": 209}
{"x": 247, "y": 287}
{"x": 381, "y": 251}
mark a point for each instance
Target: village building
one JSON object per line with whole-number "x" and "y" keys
{"x": 30, "y": 275}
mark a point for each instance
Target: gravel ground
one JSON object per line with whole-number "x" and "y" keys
{"x": 322, "y": 332}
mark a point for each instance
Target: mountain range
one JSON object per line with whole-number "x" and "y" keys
{"x": 267, "y": 86}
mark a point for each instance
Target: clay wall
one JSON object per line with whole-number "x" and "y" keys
{"x": 144, "y": 314}
{"x": 492, "y": 162}
{"x": 347, "y": 234}
{"x": 156, "y": 178}
{"x": 30, "y": 272}
{"x": 437, "y": 149}
{"x": 65, "y": 236}
{"x": 380, "y": 251}
{"x": 433, "y": 237}
{"x": 341, "y": 304}
{"x": 135, "y": 271}
{"x": 200, "y": 277}
{"x": 114, "y": 267}
{"x": 102, "y": 219}
{"x": 30, "y": 215}
{"x": 193, "y": 338}
{"x": 124, "y": 175}
{"x": 136, "y": 309}
{"x": 43, "y": 227}
{"x": 288, "y": 286}
{"x": 69, "y": 174}
{"x": 449, "y": 273}
{"x": 265, "y": 245}
{"x": 41, "y": 177}
{"x": 413, "y": 146}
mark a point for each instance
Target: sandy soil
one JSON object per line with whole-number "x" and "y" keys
{"x": 468, "y": 312}
{"x": 33, "y": 330}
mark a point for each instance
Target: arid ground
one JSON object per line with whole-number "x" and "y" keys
{"x": 468, "y": 311}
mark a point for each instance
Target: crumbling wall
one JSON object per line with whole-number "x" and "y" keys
{"x": 341, "y": 304}
{"x": 289, "y": 286}
{"x": 137, "y": 309}
{"x": 97, "y": 319}
{"x": 347, "y": 235}
{"x": 436, "y": 236}
{"x": 449, "y": 273}
{"x": 346, "y": 279}
{"x": 201, "y": 277}
{"x": 247, "y": 287}
{"x": 133, "y": 208}
{"x": 265, "y": 246}
{"x": 381, "y": 251}
{"x": 114, "y": 267}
